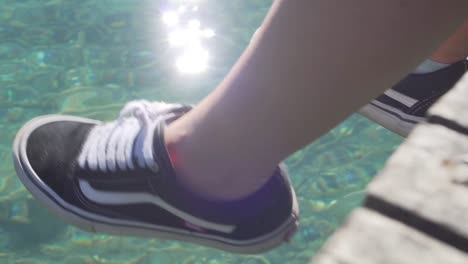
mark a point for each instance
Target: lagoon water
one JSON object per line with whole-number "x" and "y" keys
{"x": 89, "y": 57}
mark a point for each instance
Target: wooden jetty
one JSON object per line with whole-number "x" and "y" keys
{"x": 416, "y": 209}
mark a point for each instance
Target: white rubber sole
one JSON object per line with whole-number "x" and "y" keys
{"x": 95, "y": 223}
{"x": 387, "y": 120}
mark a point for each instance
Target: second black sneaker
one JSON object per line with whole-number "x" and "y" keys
{"x": 404, "y": 105}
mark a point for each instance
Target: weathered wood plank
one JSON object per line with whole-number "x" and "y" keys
{"x": 454, "y": 105}
{"x": 370, "y": 238}
{"x": 417, "y": 207}
{"x": 427, "y": 177}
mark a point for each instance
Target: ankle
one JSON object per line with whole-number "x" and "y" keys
{"x": 209, "y": 175}
{"x": 448, "y": 58}
{"x": 174, "y": 139}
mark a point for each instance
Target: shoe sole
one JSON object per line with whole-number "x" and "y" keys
{"x": 389, "y": 119}
{"x": 100, "y": 224}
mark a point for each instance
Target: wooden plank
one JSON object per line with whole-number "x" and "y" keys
{"x": 454, "y": 105}
{"x": 370, "y": 238}
{"x": 417, "y": 207}
{"x": 427, "y": 177}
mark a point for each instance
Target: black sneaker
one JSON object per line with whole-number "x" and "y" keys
{"x": 404, "y": 105}
{"x": 117, "y": 178}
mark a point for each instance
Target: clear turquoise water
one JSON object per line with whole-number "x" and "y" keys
{"x": 89, "y": 57}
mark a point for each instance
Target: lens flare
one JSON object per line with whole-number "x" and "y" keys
{"x": 194, "y": 24}
{"x": 170, "y": 18}
{"x": 186, "y": 35}
{"x": 193, "y": 60}
{"x": 208, "y": 33}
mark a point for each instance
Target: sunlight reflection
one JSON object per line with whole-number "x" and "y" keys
{"x": 193, "y": 24}
{"x": 170, "y": 18}
{"x": 186, "y": 34}
{"x": 182, "y": 37}
{"x": 193, "y": 60}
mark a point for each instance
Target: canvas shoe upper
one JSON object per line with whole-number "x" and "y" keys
{"x": 117, "y": 178}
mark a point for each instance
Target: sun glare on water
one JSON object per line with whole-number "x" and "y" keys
{"x": 186, "y": 34}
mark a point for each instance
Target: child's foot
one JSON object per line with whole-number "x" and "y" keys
{"x": 117, "y": 178}
{"x": 405, "y": 104}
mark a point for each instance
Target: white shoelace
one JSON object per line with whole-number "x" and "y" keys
{"x": 116, "y": 145}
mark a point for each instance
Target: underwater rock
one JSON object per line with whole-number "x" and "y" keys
{"x": 57, "y": 56}
{"x": 37, "y": 35}
{"x": 345, "y": 204}
{"x": 11, "y": 72}
{"x": 81, "y": 76}
{"x": 117, "y": 21}
{"x": 37, "y": 227}
{"x": 45, "y": 82}
{"x": 8, "y": 32}
{"x": 6, "y": 13}
{"x": 15, "y": 114}
{"x": 84, "y": 15}
{"x": 7, "y": 94}
{"x": 140, "y": 58}
{"x": 11, "y": 50}
{"x": 38, "y": 14}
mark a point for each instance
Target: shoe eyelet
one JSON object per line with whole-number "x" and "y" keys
{"x": 154, "y": 168}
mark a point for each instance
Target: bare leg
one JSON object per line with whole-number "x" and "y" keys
{"x": 312, "y": 64}
{"x": 455, "y": 48}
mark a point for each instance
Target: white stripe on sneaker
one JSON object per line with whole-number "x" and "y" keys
{"x": 119, "y": 198}
{"x": 404, "y": 99}
{"x": 400, "y": 113}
